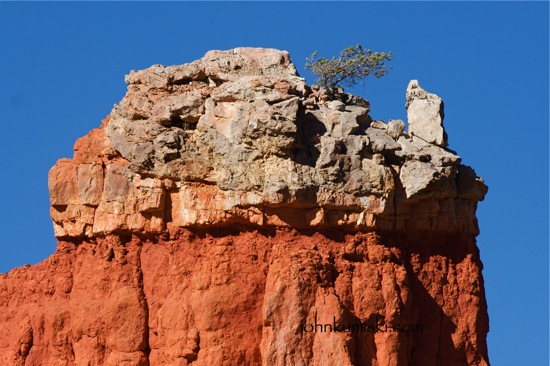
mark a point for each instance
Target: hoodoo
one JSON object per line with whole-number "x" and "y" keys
{"x": 226, "y": 213}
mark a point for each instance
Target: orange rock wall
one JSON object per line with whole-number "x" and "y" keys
{"x": 237, "y": 297}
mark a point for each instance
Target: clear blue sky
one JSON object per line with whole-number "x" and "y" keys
{"x": 62, "y": 68}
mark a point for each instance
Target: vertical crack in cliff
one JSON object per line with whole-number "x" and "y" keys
{"x": 26, "y": 345}
{"x": 398, "y": 186}
{"x": 167, "y": 207}
{"x": 147, "y": 348}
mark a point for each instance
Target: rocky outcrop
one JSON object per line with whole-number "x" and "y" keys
{"x": 425, "y": 115}
{"x": 226, "y": 213}
{"x": 227, "y": 140}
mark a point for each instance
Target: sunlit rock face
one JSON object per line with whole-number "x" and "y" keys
{"x": 237, "y": 137}
{"x": 226, "y": 213}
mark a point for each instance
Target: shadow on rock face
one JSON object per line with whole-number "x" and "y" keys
{"x": 308, "y": 134}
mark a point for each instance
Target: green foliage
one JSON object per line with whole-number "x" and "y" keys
{"x": 353, "y": 65}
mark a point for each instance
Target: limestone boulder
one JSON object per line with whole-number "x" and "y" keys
{"x": 425, "y": 115}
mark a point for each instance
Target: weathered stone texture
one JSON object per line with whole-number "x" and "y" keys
{"x": 224, "y": 206}
{"x": 425, "y": 114}
{"x": 246, "y": 298}
{"x": 243, "y": 129}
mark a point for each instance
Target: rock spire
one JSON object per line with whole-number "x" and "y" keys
{"x": 226, "y": 213}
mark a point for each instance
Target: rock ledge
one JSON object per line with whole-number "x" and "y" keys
{"x": 237, "y": 137}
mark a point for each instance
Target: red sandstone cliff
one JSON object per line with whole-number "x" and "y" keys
{"x": 227, "y": 214}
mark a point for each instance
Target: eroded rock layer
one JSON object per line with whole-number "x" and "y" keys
{"x": 226, "y": 213}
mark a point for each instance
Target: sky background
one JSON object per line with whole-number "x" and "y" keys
{"x": 62, "y": 68}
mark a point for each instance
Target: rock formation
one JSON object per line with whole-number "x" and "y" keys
{"x": 226, "y": 213}
{"x": 425, "y": 115}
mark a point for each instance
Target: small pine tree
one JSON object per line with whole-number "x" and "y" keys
{"x": 353, "y": 65}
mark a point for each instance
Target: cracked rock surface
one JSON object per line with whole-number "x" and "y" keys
{"x": 224, "y": 205}
{"x": 229, "y": 139}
